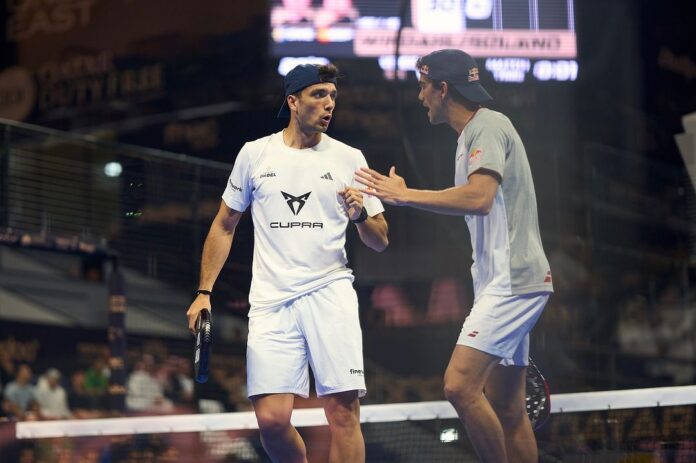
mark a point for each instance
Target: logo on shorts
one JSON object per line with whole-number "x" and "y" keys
{"x": 473, "y": 334}
{"x": 356, "y": 372}
{"x": 296, "y": 200}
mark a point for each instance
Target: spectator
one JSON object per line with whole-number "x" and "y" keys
{"x": 398, "y": 310}
{"x": 236, "y": 385}
{"x": 214, "y": 393}
{"x": 7, "y": 368}
{"x": 637, "y": 338}
{"x": 145, "y": 392}
{"x": 19, "y": 395}
{"x": 176, "y": 380}
{"x": 674, "y": 332}
{"x": 81, "y": 403}
{"x": 96, "y": 383}
{"x": 635, "y": 330}
{"x": 51, "y": 397}
{"x": 97, "y": 378}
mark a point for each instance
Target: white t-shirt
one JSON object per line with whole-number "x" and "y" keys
{"x": 299, "y": 217}
{"x": 508, "y": 255}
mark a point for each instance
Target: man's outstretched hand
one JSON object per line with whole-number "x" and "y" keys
{"x": 390, "y": 189}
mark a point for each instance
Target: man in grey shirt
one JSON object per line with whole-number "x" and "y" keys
{"x": 19, "y": 395}
{"x": 512, "y": 280}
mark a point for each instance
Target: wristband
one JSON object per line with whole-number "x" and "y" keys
{"x": 204, "y": 291}
{"x": 363, "y": 217}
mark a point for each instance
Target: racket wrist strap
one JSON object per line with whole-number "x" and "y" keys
{"x": 203, "y": 291}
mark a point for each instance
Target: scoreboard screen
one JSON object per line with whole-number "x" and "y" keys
{"x": 511, "y": 35}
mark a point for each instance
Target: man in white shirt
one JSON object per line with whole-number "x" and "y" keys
{"x": 145, "y": 392}
{"x": 304, "y": 309}
{"x": 51, "y": 396}
{"x": 494, "y": 192}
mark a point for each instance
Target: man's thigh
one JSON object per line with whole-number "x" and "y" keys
{"x": 276, "y": 353}
{"x": 331, "y": 325}
{"x": 500, "y": 325}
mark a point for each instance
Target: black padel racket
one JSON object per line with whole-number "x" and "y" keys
{"x": 538, "y": 397}
{"x": 204, "y": 337}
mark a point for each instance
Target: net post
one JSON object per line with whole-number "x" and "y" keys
{"x": 117, "y": 336}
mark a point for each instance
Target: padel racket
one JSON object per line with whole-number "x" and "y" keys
{"x": 204, "y": 337}
{"x": 538, "y": 397}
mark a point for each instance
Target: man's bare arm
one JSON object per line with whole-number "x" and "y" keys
{"x": 373, "y": 232}
{"x": 475, "y": 198}
{"x": 215, "y": 252}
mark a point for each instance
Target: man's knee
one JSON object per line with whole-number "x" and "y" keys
{"x": 466, "y": 375}
{"x": 342, "y": 412}
{"x": 343, "y": 419}
{"x": 272, "y": 421}
{"x": 510, "y": 413}
{"x": 460, "y": 392}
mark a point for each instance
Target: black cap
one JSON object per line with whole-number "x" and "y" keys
{"x": 299, "y": 77}
{"x": 456, "y": 68}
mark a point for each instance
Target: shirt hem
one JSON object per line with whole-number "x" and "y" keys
{"x": 515, "y": 291}
{"x": 263, "y": 307}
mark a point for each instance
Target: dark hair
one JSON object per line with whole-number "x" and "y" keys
{"x": 419, "y": 63}
{"x": 456, "y": 95}
{"x": 328, "y": 72}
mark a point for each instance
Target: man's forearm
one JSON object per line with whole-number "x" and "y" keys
{"x": 215, "y": 252}
{"x": 373, "y": 232}
{"x": 458, "y": 200}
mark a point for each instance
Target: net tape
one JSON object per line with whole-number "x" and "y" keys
{"x": 380, "y": 413}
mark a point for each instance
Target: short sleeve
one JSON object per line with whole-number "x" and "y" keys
{"x": 237, "y": 193}
{"x": 371, "y": 203}
{"x": 487, "y": 150}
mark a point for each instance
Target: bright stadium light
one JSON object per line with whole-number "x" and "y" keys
{"x": 449, "y": 435}
{"x": 286, "y": 64}
{"x": 113, "y": 169}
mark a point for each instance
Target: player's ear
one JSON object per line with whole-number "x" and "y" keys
{"x": 444, "y": 89}
{"x": 292, "y": 102}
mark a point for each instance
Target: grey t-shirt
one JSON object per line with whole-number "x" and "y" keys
{"x": 507, "y": 252}
{"x": 20, "y": 395}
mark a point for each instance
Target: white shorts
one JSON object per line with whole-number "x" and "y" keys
{"x": 320, "y": 329}
{"x": 500, "y": 325}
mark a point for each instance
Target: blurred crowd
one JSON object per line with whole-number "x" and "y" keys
{"x": 158, "y": 383}
{"x": 608, "y": 326}
{"x": 154, "y": 385}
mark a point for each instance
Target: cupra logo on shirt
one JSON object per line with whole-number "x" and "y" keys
{"x": 296, "y": 200}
